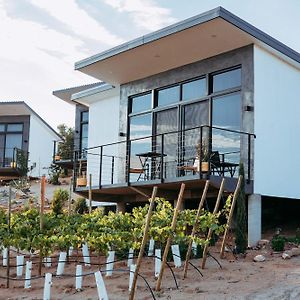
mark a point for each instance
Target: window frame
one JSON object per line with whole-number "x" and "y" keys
{"x": 6, "y": 132}
{"x": 209, "y": 95}
{"x": 81, "y": 125}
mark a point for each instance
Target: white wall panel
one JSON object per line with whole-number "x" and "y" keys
{"x": 277, "y": 126}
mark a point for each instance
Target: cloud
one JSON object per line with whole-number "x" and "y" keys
{"x": 78, "y": 20}
{"x": 35, "y": 60}
{"x": 145, "y": 13}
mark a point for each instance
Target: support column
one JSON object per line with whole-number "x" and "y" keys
{"x": 121, "y": 207}
{"x": 254, "y": 219}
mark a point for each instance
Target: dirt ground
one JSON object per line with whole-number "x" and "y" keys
{"x": 239, "y": 278}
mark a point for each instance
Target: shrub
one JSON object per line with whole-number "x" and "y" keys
{"x": 80, "y": 206}
{"x": 241, "y": 216}
{"x": 278, "y": 243}
{"x": 60, "y": 197}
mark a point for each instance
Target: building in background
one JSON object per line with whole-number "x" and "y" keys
{"x": 26, "y": 141}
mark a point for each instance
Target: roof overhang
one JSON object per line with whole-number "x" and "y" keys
{"x": 66, "y": 94}
{"x": 197, "y": 38}
{"x": 89, "y": 96}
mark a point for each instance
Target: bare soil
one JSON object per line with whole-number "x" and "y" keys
{"x": 239, "y": 278}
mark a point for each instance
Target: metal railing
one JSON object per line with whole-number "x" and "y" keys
{"x": 198, "y": 152}
{"x": 14, "y": 158}
{"x": 60, "y": 155}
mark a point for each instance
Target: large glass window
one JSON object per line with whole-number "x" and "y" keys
{"x": 227, "y": 80}
{"x": 227, "y": 114}
{"x": 187, "y": 106}
{"x": 11, "y": 138}
{"x": 168, "y": 96}
{"x": 141, "y": 103}
{"x": 194, "y": 89}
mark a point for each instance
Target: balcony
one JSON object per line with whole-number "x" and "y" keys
{"x": 13, "y": 163}
{"x": 191, "y": 156}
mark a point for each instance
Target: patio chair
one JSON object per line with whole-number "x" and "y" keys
{"x": 220, "y": 167}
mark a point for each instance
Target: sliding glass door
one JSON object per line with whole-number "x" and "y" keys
{"x": 166, "y": 122}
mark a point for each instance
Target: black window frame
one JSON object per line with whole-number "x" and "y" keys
{"x": 6, "y": 132}
{"x": 209, "y": 95}
{"x": 81, "y": 125}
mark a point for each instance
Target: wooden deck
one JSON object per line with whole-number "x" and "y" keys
{"x": 135, "y": 191}
{"x": 9, "y": 173}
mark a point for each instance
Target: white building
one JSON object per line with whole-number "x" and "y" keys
{"x": 212, "y": 75}
{"x": 25, "y": 136}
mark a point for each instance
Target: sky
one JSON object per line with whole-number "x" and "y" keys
{"x": 40, "y": 40}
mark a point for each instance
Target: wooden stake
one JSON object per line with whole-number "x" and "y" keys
{"x": 42, "y": 207}
{"x": 90, "y": 194}
{"x": 205, "y": 250}
{"x": 189, "y": 251}
{"x": 70, "y": 197}
{"x": 8, "y": 227}
{"x": 144, "y": 241}
{"x": 42, "y": 201}
{"x": 169, "y": 240}
{"x": 230, "y": 214}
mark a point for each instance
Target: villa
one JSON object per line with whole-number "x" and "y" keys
{"x": 188, "y": 103}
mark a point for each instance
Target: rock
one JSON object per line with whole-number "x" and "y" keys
{"x": 259, "y": 258}
{"x": 285, "y": 256}
{"x": 262, "y": 243}
{"x": 290, "y": 253}
{"x": 227, "y": 249}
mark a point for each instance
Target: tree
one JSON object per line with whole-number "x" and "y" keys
{"x": 241, "y": 216}
{"x": 66, "y": 148}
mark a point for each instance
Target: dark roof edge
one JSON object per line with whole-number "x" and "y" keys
{"x": 188, "y": 23}
{"x": 150, "y": 37}
{"x": 259, "y": 34}
{"x": 36, "y": 114}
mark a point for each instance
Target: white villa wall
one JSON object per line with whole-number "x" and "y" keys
{"x": 277, "y": 126}
{"x": 40, "y": 146}
{"x": 103, "y": 129}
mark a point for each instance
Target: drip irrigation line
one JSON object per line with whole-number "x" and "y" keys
{"x": 168, "y": 265}
{"x": 215, "y": 260}
{"x": 191, "y": 265}
{"x": 82, "y": 275}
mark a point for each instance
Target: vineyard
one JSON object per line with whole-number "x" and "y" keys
{"x": 101, "y": 240}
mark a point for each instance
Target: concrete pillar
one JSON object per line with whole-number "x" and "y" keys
{"x": 254, "y": 219}
{"x": 121, "y": 207}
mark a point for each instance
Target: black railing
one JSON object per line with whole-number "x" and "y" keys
{"x": 197, "y": 152}
{"x": 65, "y": 155}
{"x": 13, "y": 158}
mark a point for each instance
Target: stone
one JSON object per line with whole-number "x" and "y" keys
{"x": 285, "y": 256}
{"x": 262, "y": 243}
{"x": 290, "y": 253}
{"x": 259, "y": 258}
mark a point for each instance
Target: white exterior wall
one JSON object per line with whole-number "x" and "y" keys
{"x": 40, "y": 146}
{"x": 103, "y": 129}
{"x": 277, "y": 126}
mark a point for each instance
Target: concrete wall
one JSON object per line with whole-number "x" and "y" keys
{"x": 277, "y": 126}
{"x": 103, "y": 129}
{"x": 41, "y": 140}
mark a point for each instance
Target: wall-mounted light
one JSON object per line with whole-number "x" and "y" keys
{"x": 248, "y": 108}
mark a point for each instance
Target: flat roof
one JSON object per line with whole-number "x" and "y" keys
{"x": 218, "y": 29}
